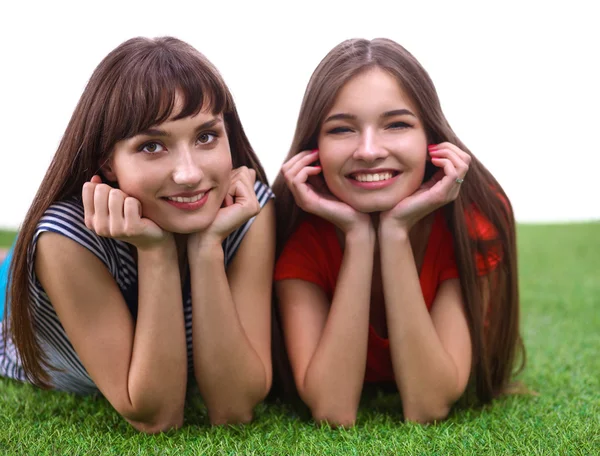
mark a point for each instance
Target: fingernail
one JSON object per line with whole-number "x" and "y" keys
{"x": 432, "y": 146}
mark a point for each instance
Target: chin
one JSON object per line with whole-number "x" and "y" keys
{"x": 369, "y": 207}
{"x": 185, "y": 227}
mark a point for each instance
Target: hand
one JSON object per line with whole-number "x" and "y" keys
{"x": 111, "y": 213}
{"x": 239, "y": 206}
{"x": 441, "y": 189}
{"x": 312, "y": 195}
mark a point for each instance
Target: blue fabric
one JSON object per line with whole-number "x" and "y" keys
{"x": 4, "y": 281}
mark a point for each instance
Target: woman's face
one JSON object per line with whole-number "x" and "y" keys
{"x": 179, "y": 170}
{"x": 372, "y": 145}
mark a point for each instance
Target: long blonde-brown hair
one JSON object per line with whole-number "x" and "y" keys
{"x": 132, "y": 89}
{"x": 495, "y": 349}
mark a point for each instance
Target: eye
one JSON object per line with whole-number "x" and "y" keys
{"x": 151, "y": 148}
{"x": 398, "y": 125}
{"x": 207, "y": 137}
{"x": 339, "y": 130}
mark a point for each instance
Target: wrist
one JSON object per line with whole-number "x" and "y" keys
{"x": 206, "y": 249}
{"x": 360, "y": 235}
{"x": 391, "y": 230}
{"x": 164, "y": 248}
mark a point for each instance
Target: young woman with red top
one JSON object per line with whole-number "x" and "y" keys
{"x": 396, "y": 247}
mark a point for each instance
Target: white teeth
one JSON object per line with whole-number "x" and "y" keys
{"x": 373, "y": 177}
{"x": 183, "y": 199}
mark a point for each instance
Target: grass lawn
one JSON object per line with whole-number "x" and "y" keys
{"x": 560, "y": 292}
{"x": 6, "y": 238}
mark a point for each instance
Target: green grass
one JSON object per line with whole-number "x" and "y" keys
{"x": 560, "y": 292}
{"x": 7, "y": 238}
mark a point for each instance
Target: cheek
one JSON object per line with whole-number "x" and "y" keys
{"x": 330, "y": 170}
{"x": 139, "y": 181}
{"x": 220, "y": 173}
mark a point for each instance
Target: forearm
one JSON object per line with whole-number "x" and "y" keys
{"x": 334, "y": 378}
{"x": 425, "y": 373}
{"x": 231, "y": 375}
{"x": 158, "y": 370}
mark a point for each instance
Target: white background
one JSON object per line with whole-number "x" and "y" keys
{"x": 519, "y": 81}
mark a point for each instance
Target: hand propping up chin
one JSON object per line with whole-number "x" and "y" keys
{"x": 315, "y": 198}
{"x": 239, "y": 206}
{"x": 438, "y": 191}
{"x": 111, "y": 213}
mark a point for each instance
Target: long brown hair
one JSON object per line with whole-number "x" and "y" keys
{"x": 495, "y": 348}
{"x": 132, "y": 89}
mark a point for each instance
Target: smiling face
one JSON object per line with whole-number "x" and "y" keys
{"x": 179, "y": 170}
{"x": 372, "y": 145}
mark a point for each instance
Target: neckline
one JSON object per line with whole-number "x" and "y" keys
{"x": 434, "y": 235}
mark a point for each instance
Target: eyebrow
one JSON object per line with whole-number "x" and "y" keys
{"x": 345, "y": 116}
{"x": 158, "y": 132}
{"x": 397, "y": 112}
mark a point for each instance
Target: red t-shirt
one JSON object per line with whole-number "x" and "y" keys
{"x": 313, "y": 253}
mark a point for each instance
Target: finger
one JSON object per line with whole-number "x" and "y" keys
{"x": 306, "y": 194}
{"x": 306, "y": 197}
{"x": 116, "y": 212}
{"x": 292, "y": 173}
{"x": 231, "y": 196}
{"x": 459, "y": 165}
{"x": 465, "y": 157}
{"x": 292, "y": 161}
{"x": 439, "y": 174}
{"x": 303, "y": 158}
{"x": 305, "y": 173}
{"x": 245, "y": 197}
{"x": 237, "y": 171}
{"x": 247, "y": 176}
{"x": 132, "y": 214}
{"x": 96, "y": 179}
{"x": 301, "y": 179}
{"x": 446, "y": 189}
{"x": 250, "y": 176}
{"x": 101, "y": 222}
{"x": 87, "y": 197}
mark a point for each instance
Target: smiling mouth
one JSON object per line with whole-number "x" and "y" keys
{"x": 373, "y": 177}
{"x": 186, "y": 199}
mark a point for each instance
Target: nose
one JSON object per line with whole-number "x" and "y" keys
{"x": 186, "y": 171}
{"x": 369, "y": 148}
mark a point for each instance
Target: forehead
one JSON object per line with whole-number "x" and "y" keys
{"x": 182, "y": 109}
{"x": 372, "y": 89}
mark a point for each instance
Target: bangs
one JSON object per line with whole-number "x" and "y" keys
{"x": 145, "y": 90}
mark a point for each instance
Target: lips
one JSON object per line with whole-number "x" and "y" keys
{"x": 373, "y": 175}
{"x": 189, "y": 201}
{"x": 186, "y": 199}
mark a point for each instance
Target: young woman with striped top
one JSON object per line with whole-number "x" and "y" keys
{"x": 147, "y": 254}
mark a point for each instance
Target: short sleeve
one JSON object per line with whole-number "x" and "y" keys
{"x": 231, "y": 244}
{"x": 480, "y": 229}
{"x": 67, "y": 218}
{"x": 301, "y": 257}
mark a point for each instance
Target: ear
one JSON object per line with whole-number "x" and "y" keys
{"x": 108, "y": 172}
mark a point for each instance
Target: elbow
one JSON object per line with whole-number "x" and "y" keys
{"x": 426, "y": 414}
{"x": 225, "y": 416}
{"x": 156, "y": 426}
{"x": 335, "y": 416}
{"x": 153, "y": 420}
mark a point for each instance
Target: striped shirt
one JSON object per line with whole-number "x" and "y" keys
{"x": 67, "y": 218}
